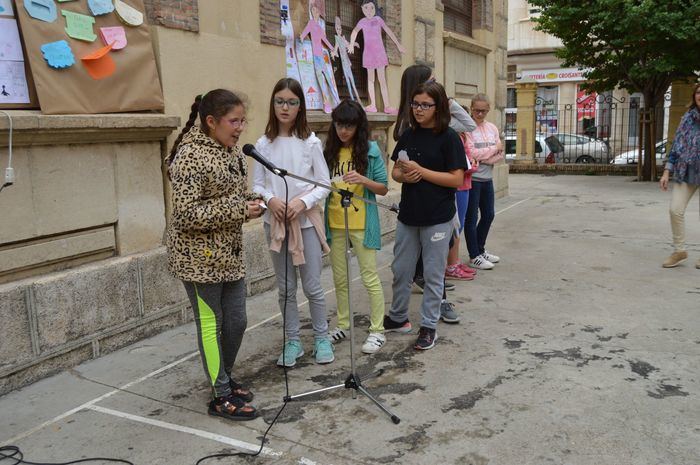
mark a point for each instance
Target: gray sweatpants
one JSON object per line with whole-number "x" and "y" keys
{"x": 310, "y": 274}
{"x": 220, "y": 316}
{"x": 434, "y": 241}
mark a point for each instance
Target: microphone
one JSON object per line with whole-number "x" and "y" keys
{"x": 249, "y": 149}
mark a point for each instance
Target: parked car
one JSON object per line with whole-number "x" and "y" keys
{"x": 630, "y": 157}
{"x": 542, "y": 152}
{"x": 580, "y": 149}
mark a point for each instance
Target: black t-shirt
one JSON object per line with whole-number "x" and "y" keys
{"x": 425, "y": 203}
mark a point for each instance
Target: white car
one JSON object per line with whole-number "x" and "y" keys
{"x": 580, "y": 149}
{"x": 630, "y": 157}
{"x": 542, "y": 152}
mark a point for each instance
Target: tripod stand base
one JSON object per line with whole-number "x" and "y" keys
{"x": 352, "y": 382}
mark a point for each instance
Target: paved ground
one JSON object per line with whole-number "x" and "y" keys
{"x": 577, "y": 349}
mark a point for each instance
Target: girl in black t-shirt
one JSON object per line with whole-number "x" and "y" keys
{"x": 429, "y": 162}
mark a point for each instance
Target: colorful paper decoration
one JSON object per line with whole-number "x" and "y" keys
{"x": 113, "y": 35}
{"x": 13, "y": 82}
{"x": 128, "y": 14}
{"x": 100, "y": 7}
{"x": 374, "y": 56}
{"x": 58, "y": 54}
{"x": 43, "y": 10}
{"x": 79, "y": 26}
{"x": 323, "y": 72}
{"x": 99, "y": 64}
{"x": 341, "y": 49}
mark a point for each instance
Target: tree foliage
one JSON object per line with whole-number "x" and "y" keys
{"x": 638, "y": 45}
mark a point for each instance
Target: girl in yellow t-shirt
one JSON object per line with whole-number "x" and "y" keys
{"x": 356, "y": 164}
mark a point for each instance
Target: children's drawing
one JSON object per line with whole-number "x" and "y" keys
{"x": 341, "y": 49}
{"x": 315, "y": 29}
{"x": 288, "y": 32}
{"x": 374, "y": 56}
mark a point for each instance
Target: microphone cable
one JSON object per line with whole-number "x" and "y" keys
{"x": 286, "y": 398}
{"x": 14, "y": 454}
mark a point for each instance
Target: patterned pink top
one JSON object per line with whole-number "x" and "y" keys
{"x": 374, "y": 54}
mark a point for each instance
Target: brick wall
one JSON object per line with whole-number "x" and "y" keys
{"x": 175, "y": 14}
{"x": 270, "y": 23}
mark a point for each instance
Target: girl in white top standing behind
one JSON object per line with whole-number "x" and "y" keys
{"x": 289, "y": 143}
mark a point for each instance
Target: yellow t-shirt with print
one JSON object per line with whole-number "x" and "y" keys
{"x": 336, "y": 217}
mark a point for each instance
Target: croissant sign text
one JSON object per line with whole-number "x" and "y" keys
{"x": 553, "y": 75}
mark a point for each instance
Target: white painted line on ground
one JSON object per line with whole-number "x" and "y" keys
{"x": 514, "y": 205}
{"x": 91, "y": 403}
{"x": 184, "y": 429}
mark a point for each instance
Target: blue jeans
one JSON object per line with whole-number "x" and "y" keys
{"x": 462, "y": 204}
{"x": 476, "y": 230}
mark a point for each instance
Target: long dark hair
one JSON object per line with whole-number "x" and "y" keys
{"x": 348, "y": 112}
{"x": 301, "y": 126}
{"x": 692, "y": 97}
{"x": 216, "y": 103}
{"x": 442, "y": 107}
{"x": 411, "y": 77}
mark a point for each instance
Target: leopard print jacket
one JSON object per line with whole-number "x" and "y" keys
{"x": 209, "y": 194}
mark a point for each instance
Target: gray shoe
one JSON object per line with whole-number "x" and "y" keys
{"x": 447, "y": 313}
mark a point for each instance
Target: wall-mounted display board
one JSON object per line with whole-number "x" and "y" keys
{"x": 89, "y": 56}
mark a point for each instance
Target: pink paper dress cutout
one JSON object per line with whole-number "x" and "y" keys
{"x": 374, "y": 54}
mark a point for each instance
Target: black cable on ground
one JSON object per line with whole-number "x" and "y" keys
{"x": 14, "y": 456}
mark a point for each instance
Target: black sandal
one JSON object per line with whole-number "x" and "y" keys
{"x": 240, "y": 391}
{"x": 232, "y": 408}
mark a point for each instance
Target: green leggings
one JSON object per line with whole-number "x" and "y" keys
{"x": 220, "y": 315}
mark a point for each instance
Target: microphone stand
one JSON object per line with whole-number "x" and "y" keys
{"x": 353, "y": 380}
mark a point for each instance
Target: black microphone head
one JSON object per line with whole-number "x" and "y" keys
{"x": 248, "y": 149}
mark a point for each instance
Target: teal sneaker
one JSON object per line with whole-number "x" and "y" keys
{"x": 324, "y": 351}
{"x": 292, "y": 351}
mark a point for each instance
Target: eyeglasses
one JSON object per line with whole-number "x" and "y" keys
{"x": 292, "y": 102}
{"x": 238, "y": 123}
{"x": 346, "y": 126}
{"x": 423, "y": 106}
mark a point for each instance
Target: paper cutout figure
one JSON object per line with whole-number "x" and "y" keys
{"x": 10, "y": 45}
{"x": 318, "y": 40}
{"x": 58, "y": 54}
{"x": 128, "y": 14}
{"x": 100, "y": 7}
{"x": 374, "y": 56}
{"x": 79, "y": 26}
{"x": 305, "y": 63}
{"x": 44, "y": 10}
{"x": 113, "y": 35}
{"x": 6, "y": 8}
{"x": 287, "y": 30}
{"x": 341, "y": 49}
{"x": 99, "y": 64}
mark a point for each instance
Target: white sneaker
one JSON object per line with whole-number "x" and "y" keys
{"x": 491, "y": 257}
{"x": 373, "y": 343}
{"x": 480, "y": 263}
{"x": 338, "y": 335}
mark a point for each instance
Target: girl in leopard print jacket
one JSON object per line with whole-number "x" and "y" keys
{"x": 210, "y": 203}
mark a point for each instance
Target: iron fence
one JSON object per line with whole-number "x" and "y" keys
{"x": 594, "y": 129}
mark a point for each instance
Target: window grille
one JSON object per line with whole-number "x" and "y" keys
{"x": 458, "y": 16}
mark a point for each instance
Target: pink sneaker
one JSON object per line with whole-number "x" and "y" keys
{"x": 467, "y": 269}
{"x": 454, "y": 272}
{"x": 391, "y": 111}
{"x": 327, "y": 108}
{"x": 371, "y": 109}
